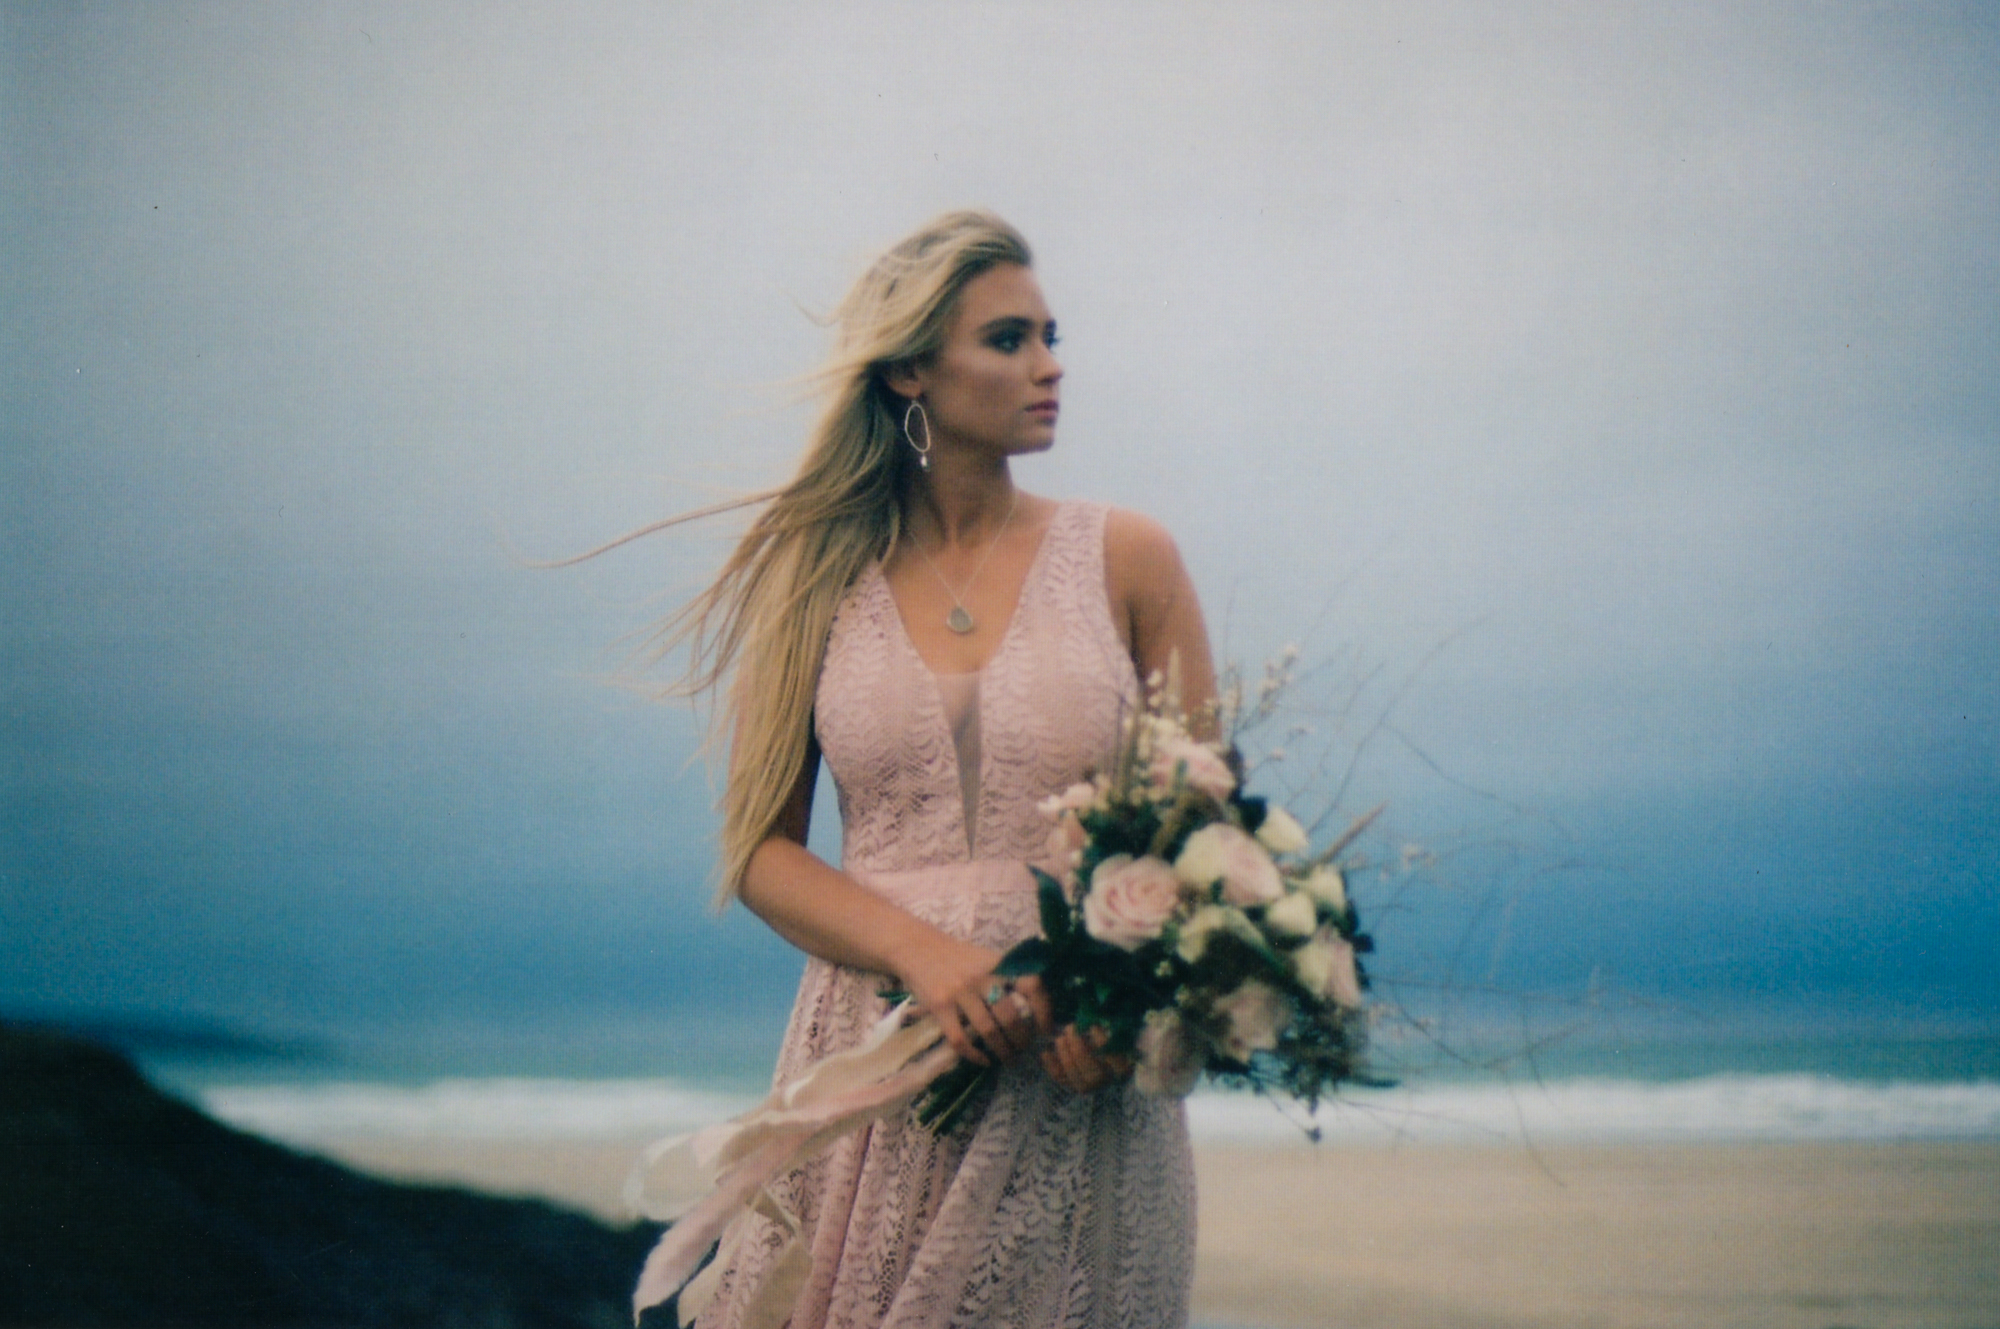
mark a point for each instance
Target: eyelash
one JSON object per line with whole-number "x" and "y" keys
{"x": 1010, "y": 342}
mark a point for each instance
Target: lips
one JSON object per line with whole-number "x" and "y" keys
{"x": 1046, "y": 408}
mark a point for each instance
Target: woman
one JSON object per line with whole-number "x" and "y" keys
{"x": 955, "y": 650}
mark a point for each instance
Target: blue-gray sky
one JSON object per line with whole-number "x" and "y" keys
{"x": 1645, "y": 359}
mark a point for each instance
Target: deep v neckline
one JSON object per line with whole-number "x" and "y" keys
{"x": 1013, "y": 616}
{"x": 973, "y": 793}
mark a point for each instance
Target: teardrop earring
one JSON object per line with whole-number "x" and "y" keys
{"x": 922, "y": 417}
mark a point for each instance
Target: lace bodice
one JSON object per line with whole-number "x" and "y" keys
{"x": 1050, "y": 700}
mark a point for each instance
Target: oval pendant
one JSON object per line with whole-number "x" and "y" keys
{"x": 959, "y": 621}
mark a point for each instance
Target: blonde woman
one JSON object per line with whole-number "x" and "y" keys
{"x": 955, "y": 650}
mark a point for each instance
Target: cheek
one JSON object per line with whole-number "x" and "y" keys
{"x": 992, "y": 385}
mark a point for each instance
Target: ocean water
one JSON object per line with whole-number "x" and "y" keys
{"x": 1661, "y": 1092}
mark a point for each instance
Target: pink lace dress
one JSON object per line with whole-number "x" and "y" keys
{"x": 1046, "y": 1209}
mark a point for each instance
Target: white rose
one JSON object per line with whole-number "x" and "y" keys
{"x": 1326, "y": 885}
{"x": 1293, "y": 916}
{"x": 1167, "y": 1062}
{"x": 1203, "y": 768}
{"x": 1324, "y": 967}
{"x": 1253, "y": 1015}
{"x": 1345, "y": 984}
{"x": 1130, "y": 900}
{"x": 1281, "y": 833}
{"x": 1201, "y": 927}
{"x": 1073, "y": 799}
{"x": 1312, "y": 965}
{"x": 1220, "y": 852}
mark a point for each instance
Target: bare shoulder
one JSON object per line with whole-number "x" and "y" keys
{"x": 1140, "y": 555}
{"x": 1154, "y": 598}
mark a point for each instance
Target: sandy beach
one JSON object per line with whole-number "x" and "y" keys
{"x": 1762, "y": 1236}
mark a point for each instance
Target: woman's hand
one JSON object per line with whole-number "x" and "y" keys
{"x": 1074, "y": 1062}
{"x": 987, "y": 1019}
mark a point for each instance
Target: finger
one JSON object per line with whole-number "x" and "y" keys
{"x": 953, "y": 1026}
{"x": 1080, "y": 1069}
{"x": 1111, "y": 1066}
{"x": 1017, "y": 1034}
{"x": 1059, "y": 1069}
{"x": 1032, "y": 990}
{"x": 984, "y": 1027}
{"x": 1021, "y": 1015}
{"x": 1019, "y": 1018}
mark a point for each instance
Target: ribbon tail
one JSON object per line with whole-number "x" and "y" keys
{"x": 833, "y": 1099}
{"x": 674, "y": 1260}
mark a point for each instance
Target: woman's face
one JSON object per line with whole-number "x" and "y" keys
{"x": 992, "y": 386}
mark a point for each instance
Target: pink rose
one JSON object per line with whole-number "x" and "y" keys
{"x": 1167, "y": 1062}
{"x": 1220, "y": 852}
{"x": 1130, "y": 900}
{"x": 1345, "y": 984}
{"x": 1252, "y": 1017}
{"x": 1199, "y": 764}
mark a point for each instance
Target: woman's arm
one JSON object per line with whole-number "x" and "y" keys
{"x": 1158, "y": 611}
{"x": 824, "y": 911}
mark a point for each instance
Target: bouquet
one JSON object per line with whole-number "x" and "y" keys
{"x": 1193, "y": 929}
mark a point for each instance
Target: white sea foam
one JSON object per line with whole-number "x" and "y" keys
{"x": 1723, "y": 1107}
{"x": 1719, "y": 1107}
{"x": 471, "y": 1109}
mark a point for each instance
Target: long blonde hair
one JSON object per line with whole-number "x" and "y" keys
{"x": 761, "y": 626}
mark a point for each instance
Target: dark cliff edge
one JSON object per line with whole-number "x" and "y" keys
{"x": 121, "y": 1206}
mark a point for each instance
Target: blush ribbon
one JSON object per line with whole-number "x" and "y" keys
{"x": 712, "y": 1183}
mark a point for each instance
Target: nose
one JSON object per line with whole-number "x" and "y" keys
{"x": 1048, "y": 369}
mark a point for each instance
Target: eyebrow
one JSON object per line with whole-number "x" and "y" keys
{"x": 1011, "y": 323}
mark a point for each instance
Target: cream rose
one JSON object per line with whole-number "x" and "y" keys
{"x": 1199, "y": 764}
{"x": 1324, "y": 966}
{"x": 1281, "y": 833}
{"x": 1253, "y": 1015}
{"x": 1312, "y": 965}
{"x": 1220, "y": 852}
{"x": 1074, "y": 799}
{"x": 1294, "y": 916}
{"x": 1167, "y": 1062}
{"x": 1130, "y": 900}
{"x": 1205, "y": 923}
{"x": 1067, "y": 837}
{"x": 1326, "y": 885}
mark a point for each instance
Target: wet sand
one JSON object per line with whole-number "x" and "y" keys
{"x": 1762, "y": 1236}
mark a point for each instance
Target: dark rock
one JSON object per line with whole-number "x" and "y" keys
{"x": 122, "y": 1206}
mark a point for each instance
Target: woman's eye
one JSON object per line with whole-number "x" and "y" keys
{"x": 1009, "y": 342}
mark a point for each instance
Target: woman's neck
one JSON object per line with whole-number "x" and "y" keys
{"x": 960, "y": 504}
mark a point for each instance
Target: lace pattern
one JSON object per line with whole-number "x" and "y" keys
{"x": 1043, "y": 1209}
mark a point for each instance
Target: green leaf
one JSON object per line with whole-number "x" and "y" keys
{"x": 1028, "y": 957}
{"x": 1056, "y": 925}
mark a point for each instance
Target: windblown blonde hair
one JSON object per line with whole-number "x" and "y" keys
{"x": 757, "y": 634}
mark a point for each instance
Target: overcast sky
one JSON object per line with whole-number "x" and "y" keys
{"x": 1616, "y": 387}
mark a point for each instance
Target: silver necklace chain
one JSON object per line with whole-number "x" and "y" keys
{"x": 960, "y": 618}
